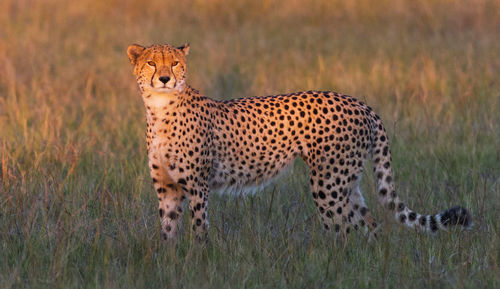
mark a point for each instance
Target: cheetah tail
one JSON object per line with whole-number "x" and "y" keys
{"x": 389, "y": 199}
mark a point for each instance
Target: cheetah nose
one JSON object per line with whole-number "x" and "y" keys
{"x": 164, "y": 79}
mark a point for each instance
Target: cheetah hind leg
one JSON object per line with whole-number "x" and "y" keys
{"x": 341, "y": 206}
{"x": 360, "y": 215}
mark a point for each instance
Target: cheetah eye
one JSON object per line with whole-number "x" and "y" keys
{"x": 175, "y": 63}
{"x": 151, "y": 63}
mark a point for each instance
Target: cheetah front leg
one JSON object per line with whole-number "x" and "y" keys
{"x": 170, "y": 197}
{"x": 198, "y": 204}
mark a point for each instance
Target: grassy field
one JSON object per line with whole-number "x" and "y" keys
{"x": 77, "y": 207}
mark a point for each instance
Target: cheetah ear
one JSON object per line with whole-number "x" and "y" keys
{"x": 184, "y": 49}
{"x": 133, "y": 52}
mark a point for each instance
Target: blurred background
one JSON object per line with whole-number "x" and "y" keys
{"x": 77, "y": 207}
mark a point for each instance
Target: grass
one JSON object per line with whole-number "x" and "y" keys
{"x": 77, "y": 208}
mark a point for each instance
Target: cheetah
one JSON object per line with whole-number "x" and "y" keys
{"x": 196, "y": 144}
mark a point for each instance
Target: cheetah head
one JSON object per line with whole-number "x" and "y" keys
{"x": 159, "y": 69}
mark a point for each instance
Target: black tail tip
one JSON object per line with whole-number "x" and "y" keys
{"x": 457, "y": 216}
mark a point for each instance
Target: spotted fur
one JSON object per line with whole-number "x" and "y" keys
{"x": 197, "y": 144}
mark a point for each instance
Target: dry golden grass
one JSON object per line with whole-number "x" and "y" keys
{"x": 77, "y": 207}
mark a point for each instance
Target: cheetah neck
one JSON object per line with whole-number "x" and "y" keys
{"x": 162, "y": 109}
{"x": 156, "y": 101}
